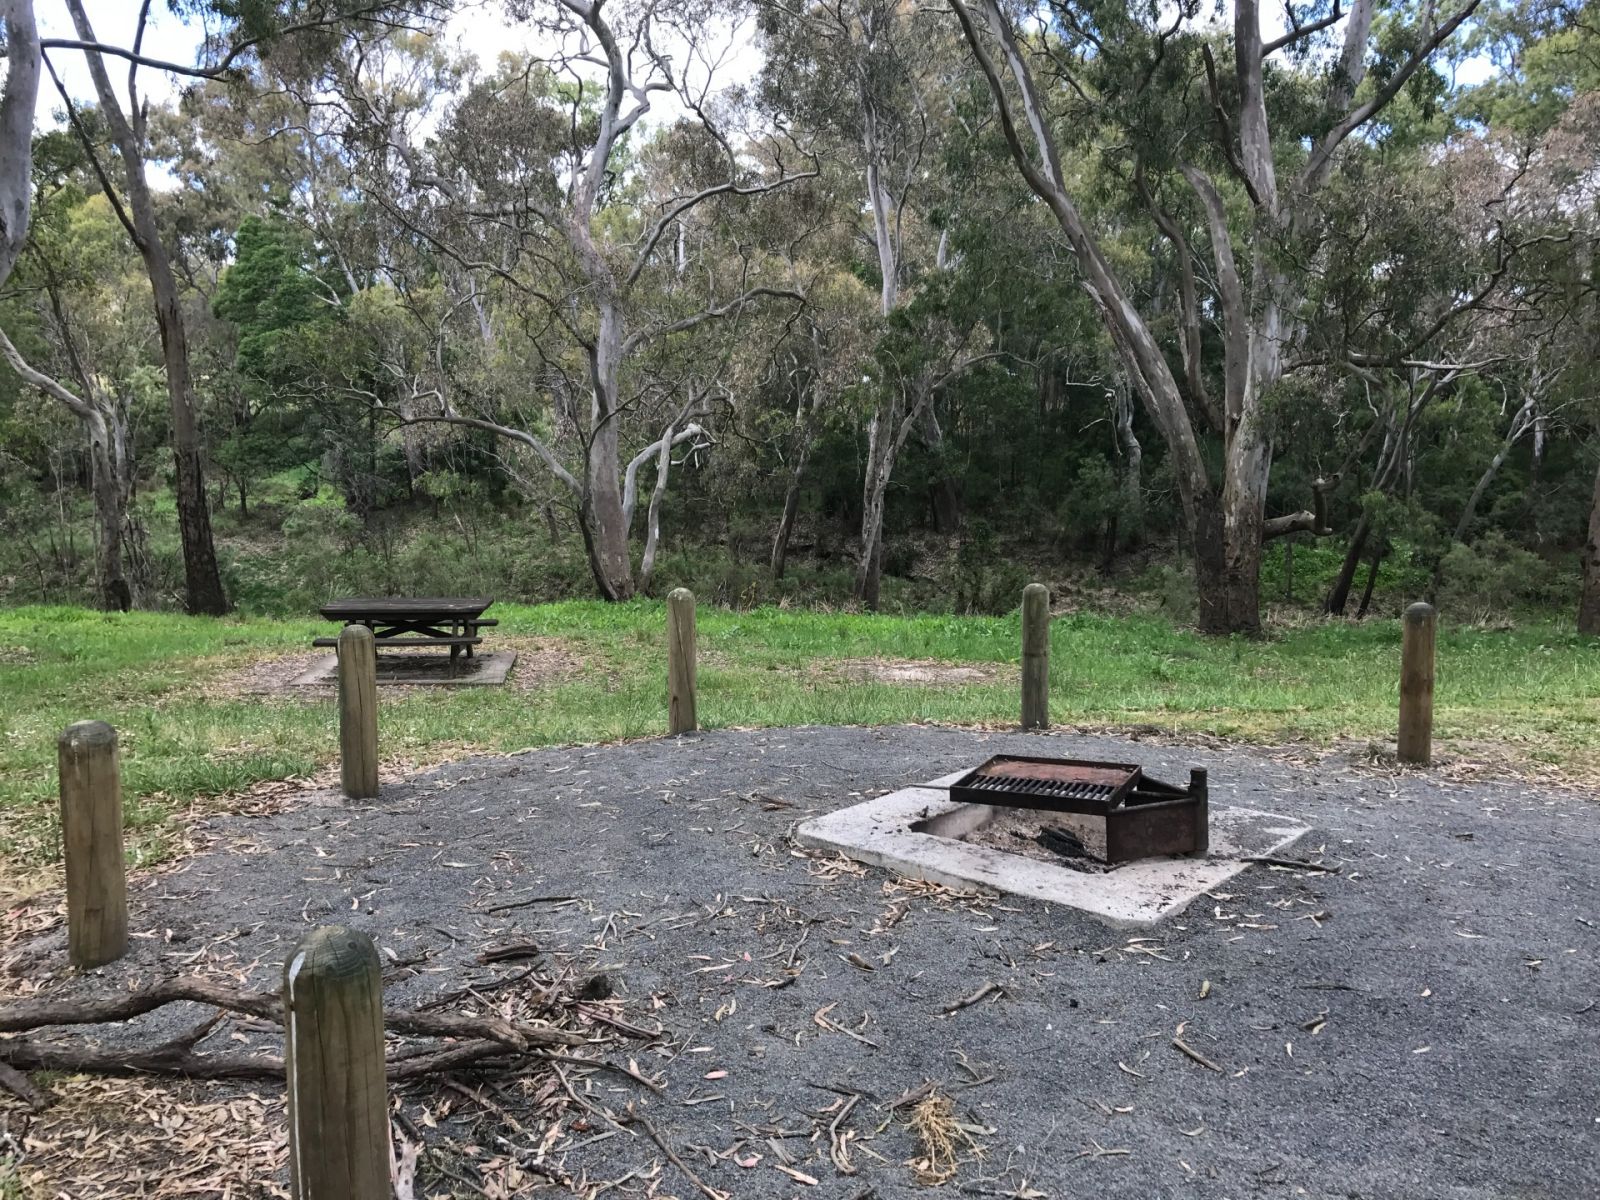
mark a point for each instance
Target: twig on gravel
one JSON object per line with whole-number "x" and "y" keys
{"x": 839, "y": 1148}
{"x": 1183, "y": 1047}
{"x": 820, "y": 1019}
{"x": 617, "y": 1023}
{"x": 913, "y": 1096}
{"x": 1294, "y": 864}
{"x": 403, "y": 1168}
{"x": 507, "y": 953}
{"x": 1096, "y": 1150}
{"x": 574, "y": 1060}
{"x": 705, "y": 1189}
{"x": 507, "y": 907}
{"x": 988, "y": 988}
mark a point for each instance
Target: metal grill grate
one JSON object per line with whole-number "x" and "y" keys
{"x": 1143, "y": 816}
{"x": 1056, "y": 789}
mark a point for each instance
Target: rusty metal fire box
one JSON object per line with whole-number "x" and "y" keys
{"x": 1144, "y": 817}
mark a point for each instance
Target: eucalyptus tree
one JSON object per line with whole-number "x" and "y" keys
{"x": 17, "y": 102}
{"x": 249, "y": 28}
{"x": 534, "y": 193}
{"x": 1232, "y": 152}
{"x": 871, "y": 76}
{"x": 128, "y": 130}
{"x": 72, "y": 304}
{"x": 99, "y": 414}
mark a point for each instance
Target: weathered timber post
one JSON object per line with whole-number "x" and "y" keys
{"x": 333, "y": 1049}
{"x": 358, "y": 713}
{"x": 91, "y": 828}
{"x": 1416, "y": 685}
{"x": 680, "y": 662}
{"x": 1035, "y": 656}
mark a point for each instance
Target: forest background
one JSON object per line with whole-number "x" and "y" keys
{"x": 1239, "y": 314}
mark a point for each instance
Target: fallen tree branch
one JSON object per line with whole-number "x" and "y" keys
{"x": 705, "y": 1189}
{"x": 988, "y": 988}
{"x": 18, "y": 1085}
{"x": 474, "y": 1039}
{"x": 1194, "y": 1055}
{"x": 176, "y": 1058}
{"x": 38, "y": 1014}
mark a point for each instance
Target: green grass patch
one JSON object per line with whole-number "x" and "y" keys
{"x": 154, "y": 677}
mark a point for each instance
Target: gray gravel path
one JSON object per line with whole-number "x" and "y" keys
{"x": 1423, "y": 1024}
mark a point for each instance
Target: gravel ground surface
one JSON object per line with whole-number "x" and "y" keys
{"x": 1423, "y": 1023}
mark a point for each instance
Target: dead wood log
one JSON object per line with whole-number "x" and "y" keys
{"x": 37, "y": 1014}
{"x": 173, "y": 1058}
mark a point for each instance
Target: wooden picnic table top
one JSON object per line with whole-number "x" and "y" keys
{"x": 380, "y": 607}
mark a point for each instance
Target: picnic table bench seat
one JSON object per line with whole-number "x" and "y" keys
{"x": 409, "y": 641}
{"x": 454, "y": 622}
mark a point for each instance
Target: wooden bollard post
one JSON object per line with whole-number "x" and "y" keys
{"x": 333, "y": 1049}
{"x": 358, "y": 713}
{"x": 681, "y": 716}
{"x": 91, "y": 828}
{"x": 1416, "y": 685}
{"x": 1035, "y": 656}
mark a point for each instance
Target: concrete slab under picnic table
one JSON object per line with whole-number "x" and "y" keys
{"x": 1422, "y": 1023}
{"x": 423, "y": 668}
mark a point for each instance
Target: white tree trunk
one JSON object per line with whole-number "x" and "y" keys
{"x": 17, "y": 104}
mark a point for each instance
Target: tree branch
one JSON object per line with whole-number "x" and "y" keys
{"x": 1225, "y": 127}
{"x": 729, "y": 188}
{"x": 704, "y": 315}
{"x": 1320, "y": 161}
{"x": 367, "y": 14}
{"x": 1230, "y": 294}
{"x": 1297, "y": 31}
{"x": 673, "y": 435}
{"x": 1188, "y": 300}
{"x": 81, "y": 408}
{"x": 546, "y": 455}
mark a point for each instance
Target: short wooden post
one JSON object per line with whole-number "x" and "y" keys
{"x": 333, "y": 1048}
{"x": 1035, "y": 656}
{"x": 358, "y": 712}
{"x": 1416, "y": 685}
{"x": 681, "y": 716}
{"x": 91, "y": 827}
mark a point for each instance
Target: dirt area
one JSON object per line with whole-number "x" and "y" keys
{"x": 1411, "y": 1026}
{"x": 541, "y": 663}
{"x": 924, "y": 672}
{"x": 1061, "y": 839}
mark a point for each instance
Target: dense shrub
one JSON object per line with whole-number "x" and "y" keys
{"x": 1494, "y": 579}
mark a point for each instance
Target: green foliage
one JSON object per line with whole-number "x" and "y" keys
{"x": 983, "y": 579}
{"x": 1496, "y": 580}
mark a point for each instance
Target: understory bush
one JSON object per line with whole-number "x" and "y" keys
{"x": 1493, "y": 579}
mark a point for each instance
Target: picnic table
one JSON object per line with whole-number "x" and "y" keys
{"x": 452, "y": 621}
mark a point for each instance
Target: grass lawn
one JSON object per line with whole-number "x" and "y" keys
{"x": 1534, "y": 692}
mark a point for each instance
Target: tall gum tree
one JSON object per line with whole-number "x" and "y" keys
{"x": 866, "y": 74}
{"x": 17, "y": 102}
{"x": 522, "y": 188}
{"x": 58, "y": 284}
{"x": 100, "y": 417}
{"x": 203, "y": 591}
{"x": 1256, "y": 286}
{"x": 252, "y": 27}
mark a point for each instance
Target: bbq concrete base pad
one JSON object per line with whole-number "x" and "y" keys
{"x": 889, "y": 832}
{"x": 424, "y": 667}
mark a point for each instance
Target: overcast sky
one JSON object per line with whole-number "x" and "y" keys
{"x": 481, "y": 29}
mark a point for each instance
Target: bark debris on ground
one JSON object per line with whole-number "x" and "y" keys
{"x": 1417, "y": 1023}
